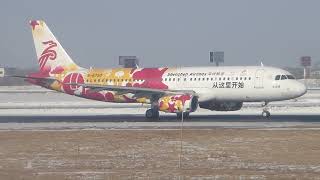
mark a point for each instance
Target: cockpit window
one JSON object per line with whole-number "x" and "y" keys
{"x": 283, "y": 77}
{"x": 290, "y": 77}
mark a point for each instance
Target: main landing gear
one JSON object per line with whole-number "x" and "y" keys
{"x": 265, "y": 112}
{"x": 152, "y": 114}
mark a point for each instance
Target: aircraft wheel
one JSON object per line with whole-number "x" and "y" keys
{"x": 266, "y": 114}
{"x": 152, "y": 114}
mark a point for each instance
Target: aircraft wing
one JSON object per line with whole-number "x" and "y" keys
{"x": 138, "y": 91}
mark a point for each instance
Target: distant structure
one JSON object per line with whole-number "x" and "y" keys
{"x": 129, "y": 61}
{"x": 1, "y": 72}
{"x": 315, "y": 74}
{"x": 217, "y": 57}
{"x": 9, "y": 81}
{"x": 305, "y": 62}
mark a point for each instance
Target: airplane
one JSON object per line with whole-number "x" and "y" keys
{"x": 179, "y": 90}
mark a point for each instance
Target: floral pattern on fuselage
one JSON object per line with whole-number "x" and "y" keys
{"x": 173, "y": 104}
{"x": 65, "y": 80}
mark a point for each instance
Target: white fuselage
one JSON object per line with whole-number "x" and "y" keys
{"x": 234, "y": 83}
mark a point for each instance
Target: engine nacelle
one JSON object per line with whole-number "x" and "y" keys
{"x": 178, "y": 103}
{"x": 221, "y": 106}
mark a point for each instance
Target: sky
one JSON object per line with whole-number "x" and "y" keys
{"x": 165, "y": 32}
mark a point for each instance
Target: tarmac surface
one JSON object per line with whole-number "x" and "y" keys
{"x": 165, "y": 122}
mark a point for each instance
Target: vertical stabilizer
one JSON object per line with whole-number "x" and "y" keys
{"x": 52, "y": 58}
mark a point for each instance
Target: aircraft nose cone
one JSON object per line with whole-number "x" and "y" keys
{"x": 301, "y": 89}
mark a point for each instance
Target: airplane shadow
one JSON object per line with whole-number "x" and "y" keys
{"x": 163, "y": 118}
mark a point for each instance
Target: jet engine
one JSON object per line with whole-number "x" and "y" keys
{"x": 178, "y": 103}
{"x": 221, "y": 106}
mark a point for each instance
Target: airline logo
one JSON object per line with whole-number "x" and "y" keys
{"x": 48, "y": 54}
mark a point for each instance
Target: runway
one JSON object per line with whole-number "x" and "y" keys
{"x": 43, "y": 109}
{"x": 166, "y": 122}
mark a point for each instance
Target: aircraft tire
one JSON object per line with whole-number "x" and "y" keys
{"x": 266, "y": 114}
{"x": 152, "y": 114}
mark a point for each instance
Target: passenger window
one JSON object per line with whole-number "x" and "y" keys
{"x": 169, "y": 79}
{"x": 237, "y": 78}
{"x": 190, "y": 79}
{"x": 277, "y": 77}
{"x": 283, "y": 77}
{"x": 185, "y": 79}
{"x": 245, "y": 78}
{"x": 173, "y": 79}
{"x": 240, "y": 78}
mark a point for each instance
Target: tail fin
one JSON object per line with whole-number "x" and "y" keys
{"x": 52, "y": 58}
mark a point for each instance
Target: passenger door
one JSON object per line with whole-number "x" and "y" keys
{"x": 258, "y": 81}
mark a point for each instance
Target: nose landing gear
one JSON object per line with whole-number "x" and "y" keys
{"x": 265, "y": 112}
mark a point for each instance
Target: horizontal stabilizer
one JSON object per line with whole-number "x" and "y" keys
{"x": 45, "y": 79}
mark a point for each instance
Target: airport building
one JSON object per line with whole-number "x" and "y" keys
{"x": 129, "y": 61}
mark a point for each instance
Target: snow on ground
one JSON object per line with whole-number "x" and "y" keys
{"x": 19, "y": 101}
